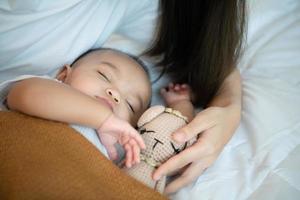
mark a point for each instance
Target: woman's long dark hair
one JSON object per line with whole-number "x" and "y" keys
{"x": 199, "y": 42}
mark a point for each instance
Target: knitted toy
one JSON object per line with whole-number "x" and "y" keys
{"x": 156, "y": 126}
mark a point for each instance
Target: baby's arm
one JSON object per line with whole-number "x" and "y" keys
{"x": 52, "y": 100}
{"x": 178, "y": 97}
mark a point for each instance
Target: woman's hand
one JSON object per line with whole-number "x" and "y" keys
{"x": 215, "y": 126}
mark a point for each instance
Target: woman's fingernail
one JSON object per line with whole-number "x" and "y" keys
{"x": 156, "y": 177}
{"x": 178, "y": 137}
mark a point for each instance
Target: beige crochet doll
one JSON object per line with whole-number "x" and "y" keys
{"x": 156, "y": 126}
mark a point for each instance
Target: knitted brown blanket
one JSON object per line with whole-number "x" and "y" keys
{"x": 40, "y": 159}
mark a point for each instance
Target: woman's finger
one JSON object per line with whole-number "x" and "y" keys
{"x": 176, "y": 162}
{"x": 191, "y": 174}
{"x": 199, "y": 124}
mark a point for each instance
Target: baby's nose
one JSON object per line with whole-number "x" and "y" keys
{"x": 114, "y": 95}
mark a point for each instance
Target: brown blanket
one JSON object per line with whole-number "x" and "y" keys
{"x": 40, "y": 159}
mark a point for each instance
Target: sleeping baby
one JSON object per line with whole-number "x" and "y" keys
{"x": 102, "y": 94}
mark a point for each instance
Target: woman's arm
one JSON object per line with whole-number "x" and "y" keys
{"x": 216, "y": 124}
{"x": 52, "y": 100}
{"x": 229, "y": 99}
{"x": 230, "y": 93}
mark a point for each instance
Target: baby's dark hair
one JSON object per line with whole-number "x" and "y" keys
{"x": 133, "y": 57}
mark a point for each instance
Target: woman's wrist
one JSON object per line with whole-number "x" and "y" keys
{"x": 230, "y": 98}
{"x": 230, "y": 93}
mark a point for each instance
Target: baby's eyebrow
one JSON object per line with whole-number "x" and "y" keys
{"x": 114, "y": 67}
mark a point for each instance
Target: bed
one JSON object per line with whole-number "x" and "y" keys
{"x": 262, "y": 159}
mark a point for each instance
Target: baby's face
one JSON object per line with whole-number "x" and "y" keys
{"x": 115, "y": 80}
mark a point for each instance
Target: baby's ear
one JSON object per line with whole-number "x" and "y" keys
{"x": 64, "y": 73}
{"x": 150, "y": 114}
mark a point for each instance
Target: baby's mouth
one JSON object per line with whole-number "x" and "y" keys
{"x": 106, "y": 102}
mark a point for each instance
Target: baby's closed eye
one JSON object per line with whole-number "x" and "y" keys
{"x": 104, "y": 76}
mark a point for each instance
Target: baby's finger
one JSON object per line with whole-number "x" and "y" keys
{"x": 177, "y": 87}
{"x": 128, "y": 150}
{"x": 138, "y": 138}
{"x": 171, "y": 85}
{"x": 184, "y": 86}
{"x": 112, "y": 152}
{"x": 136, "y": 151}
{"x": 124, "y": 139}
{"x": 163, "y": 91}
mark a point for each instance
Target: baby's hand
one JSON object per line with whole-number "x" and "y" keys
{"x": 174, "y": 93}
{"x": 115, "y": 130}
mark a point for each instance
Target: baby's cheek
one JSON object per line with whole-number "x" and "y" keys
{"x": 83, "y": 86}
